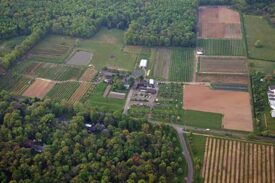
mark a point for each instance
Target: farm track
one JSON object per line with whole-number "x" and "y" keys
{"x": 241, "y": 161}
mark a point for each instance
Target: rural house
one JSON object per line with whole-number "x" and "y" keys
{"x": 143, "y": 63}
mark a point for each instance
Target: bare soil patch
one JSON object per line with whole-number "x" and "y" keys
{"x": 39, "y": 88}
{"x": 80, "y": 58}
{"x": 162, "y": 63}
{"x": 219, "y": 22}
{"x": 88, "y": 75}
{"x": 223, "y": 65}
{"x": 234, "y": 105}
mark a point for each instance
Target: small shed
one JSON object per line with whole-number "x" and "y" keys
{"x": 151, "y": 81}
{"x": 143, "y": 63}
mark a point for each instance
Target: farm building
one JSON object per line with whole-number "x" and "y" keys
{"x": 271, "y": 99}
{"x": 147, "y": 86}
{"x": 143, "y": 63}
{"x": 199, "y": 51}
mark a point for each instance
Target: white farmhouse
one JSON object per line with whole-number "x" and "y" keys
{"x": 143, "y": 63}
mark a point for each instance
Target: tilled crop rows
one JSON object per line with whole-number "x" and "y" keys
{"x": 238, "y": 161}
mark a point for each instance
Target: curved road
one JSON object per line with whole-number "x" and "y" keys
{"x": 185, "y": 153}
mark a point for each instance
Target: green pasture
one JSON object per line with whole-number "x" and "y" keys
{"x": 258, "y": 28}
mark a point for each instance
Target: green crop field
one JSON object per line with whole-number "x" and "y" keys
{"x": 59, "y": 72}
{"x": 224, "y": 47}
{"x": 97, "y": 100}
{"x": 107, "y": 48}
{"x": 202, "y": 119}
{"x": 182, "y": 65}
{"x": 63, "y": 90}
{"x": 53, "y": 49}
{"x": 257, "y": 28}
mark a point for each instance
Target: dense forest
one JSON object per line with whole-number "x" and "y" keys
{"x": 44, "y": 141}
{"x": 158, "y": 22}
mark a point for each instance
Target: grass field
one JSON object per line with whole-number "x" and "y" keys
{"x": 59, "y": 72}
{"x": 222, "y": 47}
{"x": 197, "y": 145}
{"x": 97, "y": 100}
{"x": 267, "y": 67}
{"x": 63, "y": 90}
{"x": 53, "y": 49}
{"x": 7, "y": 45}
{"x": 107, "y": 47}
{"x": 257, "y": 28}
{"x": 182, "y": 65}
{"x": 202, "y": 119}
{"x": 227, "y": 160}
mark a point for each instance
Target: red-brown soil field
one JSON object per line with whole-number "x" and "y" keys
{"x": 234, "y": 105}
{"x": 88, "y": 75}
{"x": 39, "y": 88}
{"x": 219, "y": 22}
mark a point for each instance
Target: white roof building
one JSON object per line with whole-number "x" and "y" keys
{"x": 151, "y": 81}
{"x": 143, "y": 63}
{"x": 271, "y": 99}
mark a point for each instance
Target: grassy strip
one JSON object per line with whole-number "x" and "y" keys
{"x": 202, "y": 119}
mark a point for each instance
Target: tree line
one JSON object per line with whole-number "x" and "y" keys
{"x": 111, "y": 148}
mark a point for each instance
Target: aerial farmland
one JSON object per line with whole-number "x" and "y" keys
{"x": 156, "y": 91}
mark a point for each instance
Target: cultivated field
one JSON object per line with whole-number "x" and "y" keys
{"x": 107, "y": 48}
{"x": 223, "y": 78}
{"x": 51, "y": 71}
{"x": 258, "y": 28}
{"x": 238, "y": 161}
{"x": 21, "y": 85}
{"x": 219, "y": 22}
{"x": 80, "y": 92}
{"x": 162, "y": 63}
{"x": 39, "y": 88}
{"x": 52, "y": 49}
{"x": 80, "y": 58}
{"x": 182, "y": 64}
{"x": 223, "y": 65}
{"x": 222, "y": 47}
{"x": 63, "y": 90}
{"x": 234, "y": 105}
{"x": 88, "y": 75}
{"x": 132, "y": 49}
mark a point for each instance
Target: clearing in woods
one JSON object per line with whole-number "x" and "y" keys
{"x": 241, "y": 161}
{"x": 39, "y": 88}
{"x": 234, "y": 105}
{"x": 162, "y": 63}
{"x": 219, "y": 22}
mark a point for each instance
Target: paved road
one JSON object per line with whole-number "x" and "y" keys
{"x": 186, "y": 154}
{"x": 127, "y": 103}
